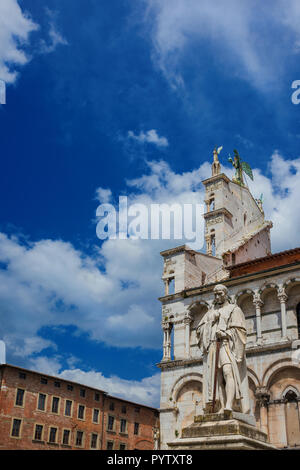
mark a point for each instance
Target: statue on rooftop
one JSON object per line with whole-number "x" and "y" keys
{"x": 240, "y": 167}
{"x": 216, "y": 167}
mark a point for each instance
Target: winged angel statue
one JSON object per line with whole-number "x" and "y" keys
{"x": 240, "y": 167}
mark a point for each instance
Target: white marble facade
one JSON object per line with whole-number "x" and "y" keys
{"x": 270, "y": 307}
{"x": 270, "y": 300}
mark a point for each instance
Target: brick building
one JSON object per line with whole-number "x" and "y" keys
{"x": 39, "y": 411}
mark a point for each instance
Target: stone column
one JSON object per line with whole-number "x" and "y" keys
{"x": 167, "y": 327}
{"x": 187, "y": 321}
{"x": 156, "y": 438}
{"x": 277, "y": 423}
{"x": 208, "y": 244}
{"x": 263, "y": 398}
{"x": 258, "y": 303}
{"x": 282, "y": 299}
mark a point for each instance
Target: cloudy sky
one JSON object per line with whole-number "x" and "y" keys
{"x": 128, "y": 97}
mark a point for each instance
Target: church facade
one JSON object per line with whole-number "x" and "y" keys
{"x": 265, "y": 286}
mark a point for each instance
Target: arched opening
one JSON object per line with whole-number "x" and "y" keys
{"x": 283, "y": 409}
{"x": 271, "y": 314}
{"x": 245, "y": 302}
{"x": 171, "y": 285}
{"x": 292, "y": 419}
{"x": 188, "y": 402}
{"x": 213, "y": 243}
{"x": 211, "y": 202}
{"x": 198, "y": 311}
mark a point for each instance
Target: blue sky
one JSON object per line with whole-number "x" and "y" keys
{"x": 128, "y": 98}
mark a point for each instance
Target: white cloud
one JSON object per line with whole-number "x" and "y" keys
{"x": 241, "y": 35}
{"x": 55, "y": 37}
{"x": 150, "y": 137}
{"x": 281, "y": 197}
{"x": 103, "y": 195}
{"x": 15, "y": 29}
{"x": 145, "y": 391}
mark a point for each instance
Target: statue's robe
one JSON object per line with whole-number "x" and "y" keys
{"x": 229, "y": 319}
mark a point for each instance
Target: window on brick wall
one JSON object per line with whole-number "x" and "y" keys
{"x": 111, "y": 406}
{"x": 16, "y": 427}
{"x": 68, "y": 408}
{"x": 110, "y": 423}
{"x": 124, "y": 409}
{"x": 81, "y": 409}
{"x": 22, "y": 375}
{"x": 123, "y": 424}
{"x": 109, "y": 445}
{"x": 136, "y": 428}
{"x": 20, "y": 397}
{"x": 122, "y": 446}
{"x": 42, "y": 402}
{"x": 52, "y": 435}
{"x": 97, "y": 396}
{"x": 44, "y": 381}
{"x": 95, "y": 415}
{"x": 79, "y": 438}
{"x": 94, "y": 440}
{"x": 66, "y": 437}
{"x": 38, "y": 432}
{"x": 55, "y": 405}
{"x": 57, "y": 384}
{"x": 82, "y": 392}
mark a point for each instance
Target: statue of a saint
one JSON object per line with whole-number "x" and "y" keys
{"x": 222, "y": 338}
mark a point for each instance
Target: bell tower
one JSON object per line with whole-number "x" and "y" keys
{"x": 234, "y": 220}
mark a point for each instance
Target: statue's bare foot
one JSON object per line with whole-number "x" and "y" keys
{"x": 221, "y": 410}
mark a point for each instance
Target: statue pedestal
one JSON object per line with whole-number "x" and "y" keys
{"x": 225, "y": 431}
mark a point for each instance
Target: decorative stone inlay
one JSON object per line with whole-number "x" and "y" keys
{"x": 214, "y": 220}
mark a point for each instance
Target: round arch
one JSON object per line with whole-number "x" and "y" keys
{"x": 268, "y": 285}
{"x": 197, "y": 303}
{"x": 182, "y": 381}
{"x": 143, "y": 444}
{"x": 274, "y": 368}
{"x": 242, "y": 293}
{"x": 252, "y": 376}
{"x": 291, "y": 280}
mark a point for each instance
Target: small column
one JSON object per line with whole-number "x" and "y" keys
{"x": 263, "y": 398}
{"x": 208, "y": 244}
{"x": 282, "y": 296}
{"x": 156, "y": 437}
{"x": 258, "y": 303}
{"x": 187, "y": 321}
{"x": 207, "y": 205}
{"x": 167, "y": 327}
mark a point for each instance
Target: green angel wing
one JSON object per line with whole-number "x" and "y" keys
{"x": 247, "y": 169}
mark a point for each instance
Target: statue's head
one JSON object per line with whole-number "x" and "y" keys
{"x": 221, "y": 293}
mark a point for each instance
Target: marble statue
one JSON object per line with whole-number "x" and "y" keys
{"x": 222, "y": 339}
